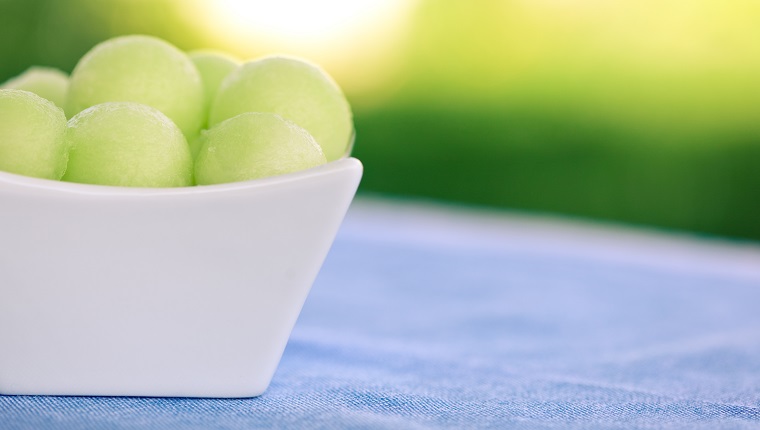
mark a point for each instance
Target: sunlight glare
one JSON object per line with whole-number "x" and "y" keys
{"x": 297, "y": 22}
{"x": 360, "y": 43}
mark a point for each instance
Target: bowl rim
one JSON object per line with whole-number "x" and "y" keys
{"x": 21, "y": 181}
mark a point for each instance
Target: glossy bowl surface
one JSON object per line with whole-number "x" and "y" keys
{"x": 187, "y": 292}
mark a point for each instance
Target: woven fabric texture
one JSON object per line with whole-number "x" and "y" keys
{"x": 428, "y": 317}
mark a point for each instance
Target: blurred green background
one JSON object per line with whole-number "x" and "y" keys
{"x": 639, "y": 111}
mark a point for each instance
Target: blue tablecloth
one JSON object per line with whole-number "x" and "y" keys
{"x": 436, "y": 317}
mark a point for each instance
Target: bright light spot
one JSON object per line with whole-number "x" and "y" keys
{"x": 298, "y": 22}
{"x": 360, "y": 42}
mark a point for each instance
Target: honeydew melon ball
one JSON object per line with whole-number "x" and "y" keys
{"x": 294, "y": 89}
{"x": 129, "y": 145}
{"x": 140, "y": 69}
{"x": 31, "y": 135}
{"x": 213, "y": 67}
{"x": 46, "y": 82}
{"x": 196, "y": 144}
{"x": 254, "y": 145}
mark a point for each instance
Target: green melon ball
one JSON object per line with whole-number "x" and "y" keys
{"x": 255, "y": 145}
{"x": 213, "y": 67}
{"x": 196, "y": 144}
{"x": 294, "y": 89}
{"x": 46, "y": 82}
{"x": 31, "y": 135}
{"x": 129, "y": 145}
{"x": 140, "y": 69}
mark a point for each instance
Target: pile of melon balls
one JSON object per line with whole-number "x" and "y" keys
{"x": 138, "y": 112}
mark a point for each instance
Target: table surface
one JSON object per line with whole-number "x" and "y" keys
{"x": 429, "y": 316}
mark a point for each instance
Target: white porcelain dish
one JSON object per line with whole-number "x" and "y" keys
{"x": 159, "y": 292}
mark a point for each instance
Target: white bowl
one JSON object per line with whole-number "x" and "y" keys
{"x": 159, "y": 292}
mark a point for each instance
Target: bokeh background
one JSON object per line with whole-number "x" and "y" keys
{"x": 638, "y": 111}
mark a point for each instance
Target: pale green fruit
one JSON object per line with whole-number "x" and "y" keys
{"x": 254, "y": 145}
{"x": 296, "y": 90}
{"x": 213, "y": 67}
{"x": 31, "y": 135}
{"x": 140, "y": 69}
{"x": 127, "y": 144}
{"x": 196, "y": 144}
{"x": 46, "y": 82}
